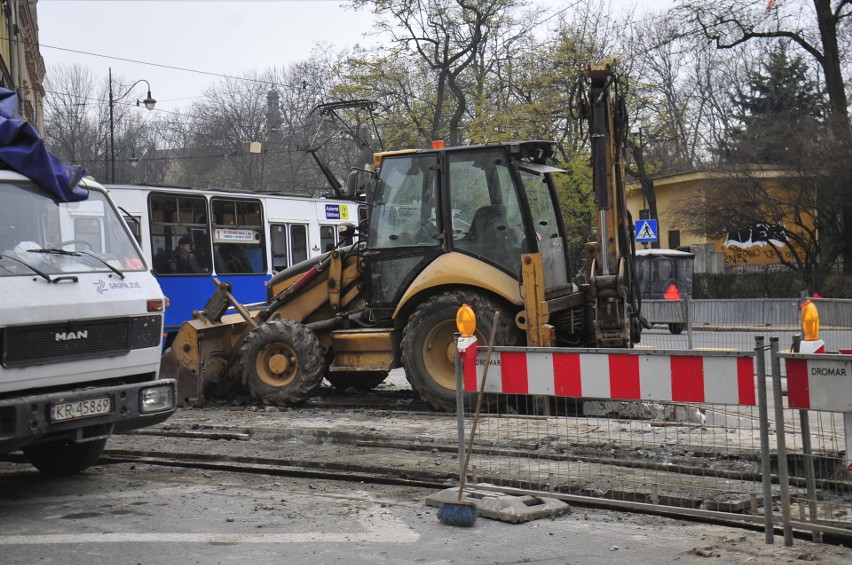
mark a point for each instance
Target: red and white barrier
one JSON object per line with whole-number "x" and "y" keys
{"x": 822, "y": 382}
{"x": 819, "y": 382}
{"x": 706, "y": 377}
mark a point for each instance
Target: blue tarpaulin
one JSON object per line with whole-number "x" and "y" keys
{"x": 22, "y": 149}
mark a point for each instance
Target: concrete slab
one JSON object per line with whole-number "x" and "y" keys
{"x": 503, "y": 507}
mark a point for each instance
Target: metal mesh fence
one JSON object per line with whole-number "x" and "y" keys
{"x": 698, "y": 457}
{"x": 829, "y": 503}
{"x": 687, "y": 455}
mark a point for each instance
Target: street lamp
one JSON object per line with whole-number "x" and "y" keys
{"x": 149, "y": 103}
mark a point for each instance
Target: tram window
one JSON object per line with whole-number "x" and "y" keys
{"x": 176, "y": 220}
{"x": 278, "y": 234}
{"x": 238, "y": 240}
{"x": 327, "y": 239}
{"x": 192, "y": 211}
{"x": 248, "y": 213}
{"x": 298, "y": 243}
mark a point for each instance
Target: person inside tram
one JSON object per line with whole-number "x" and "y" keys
{"x": 162, "y": 263}
{"x": 186, "y": 261}
{"x": 218, "y": 261}
{"x": 235, "y": 259}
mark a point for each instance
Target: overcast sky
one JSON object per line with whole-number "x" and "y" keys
{"x": 139, "y": 38}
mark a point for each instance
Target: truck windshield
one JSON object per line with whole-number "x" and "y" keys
{"x": 40, "y": 235}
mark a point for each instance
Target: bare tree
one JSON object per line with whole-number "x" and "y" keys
{"x": 729, "y": 23}
{"x": 72, "y": 130}
{"x": 446, "y": 36}
{"x": 815, "y": 30}
{"x": 77, "y": 124}
{"x": 782, "y": 209}
{"x": 221, "y": 128}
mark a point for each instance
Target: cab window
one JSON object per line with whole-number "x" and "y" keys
{"x": 405, "y": 209}
{"x": 486, "y": 215}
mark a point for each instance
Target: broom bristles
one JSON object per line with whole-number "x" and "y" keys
{"x": 458, "y": 513}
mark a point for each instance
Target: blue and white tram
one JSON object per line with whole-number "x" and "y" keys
{"x": 238, "y": 237}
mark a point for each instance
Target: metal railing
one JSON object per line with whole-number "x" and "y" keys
{"x": 733, "y": 324}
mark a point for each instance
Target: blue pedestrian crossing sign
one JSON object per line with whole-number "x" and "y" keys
{"x": 646, "y": 230}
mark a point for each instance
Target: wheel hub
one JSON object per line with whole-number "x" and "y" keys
{"x": 278, "y": 364}
{"x": 439, "y": 354}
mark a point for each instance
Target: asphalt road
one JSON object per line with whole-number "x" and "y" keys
{"x": 139, "y": 514}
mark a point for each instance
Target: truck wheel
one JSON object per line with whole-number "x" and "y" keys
{"x": 359, "y": 380}
{"x": 281, "y": 363}
{"x": 428, "y": 349}
{"x": 676, "y": 328}
{"x": 64, "y": 457}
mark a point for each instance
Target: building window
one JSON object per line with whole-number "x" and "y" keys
{"x": 674, "y": 239}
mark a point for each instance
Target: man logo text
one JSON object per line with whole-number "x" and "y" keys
{"x": 70, "y": 336}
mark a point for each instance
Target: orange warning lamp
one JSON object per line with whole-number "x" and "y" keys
{"x": 810, "y": 321}
{"x": 672, "y": 293}
{"x": 466, "y": 320}
{"x": 437, "y": 144}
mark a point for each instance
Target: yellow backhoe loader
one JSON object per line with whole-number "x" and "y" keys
{"x": 479, "y": 225}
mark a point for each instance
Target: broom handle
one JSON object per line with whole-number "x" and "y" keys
{"x": 479, "y": 396}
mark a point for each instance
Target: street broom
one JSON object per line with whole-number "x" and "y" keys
{"x": 463, "y": 512}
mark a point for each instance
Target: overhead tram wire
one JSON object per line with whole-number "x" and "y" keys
{"x": 247, "y": 79}
{"x": 253, "y": 80}
{"x": 162, "y": 66}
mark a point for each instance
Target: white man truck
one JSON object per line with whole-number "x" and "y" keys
{"x": 81, "y": 321}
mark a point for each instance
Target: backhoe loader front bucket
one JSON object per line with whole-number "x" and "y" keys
{"x": 203, "y": 358}
{"x": 203, "y": 355}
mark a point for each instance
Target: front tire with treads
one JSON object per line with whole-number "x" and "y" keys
{"x": 428, "y": 346}
{"x": 281, "y": 363}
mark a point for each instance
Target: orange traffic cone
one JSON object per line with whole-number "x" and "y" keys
{"x": 672, "y": 293}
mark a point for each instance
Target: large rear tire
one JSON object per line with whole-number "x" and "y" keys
{"x": 359, "y": 380}
{"x": 428, "y": 349}
{"x": 281, "y": 363}
{"x": 64, "y": 457}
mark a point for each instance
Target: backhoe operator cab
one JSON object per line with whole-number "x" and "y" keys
{"x": 461, "y": 216}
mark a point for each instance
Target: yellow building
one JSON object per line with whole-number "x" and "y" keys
{"x": 743, "y": 251}
{"x": 21, "y": 64}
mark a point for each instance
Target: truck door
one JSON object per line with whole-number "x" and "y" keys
{"x": 405, "y": 228}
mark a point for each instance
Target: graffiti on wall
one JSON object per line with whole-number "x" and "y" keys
{"x": 753, "y": 247}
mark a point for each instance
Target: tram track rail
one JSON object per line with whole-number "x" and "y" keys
{"x": 387, "y": 439}
{"x": 426, "y": 480}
